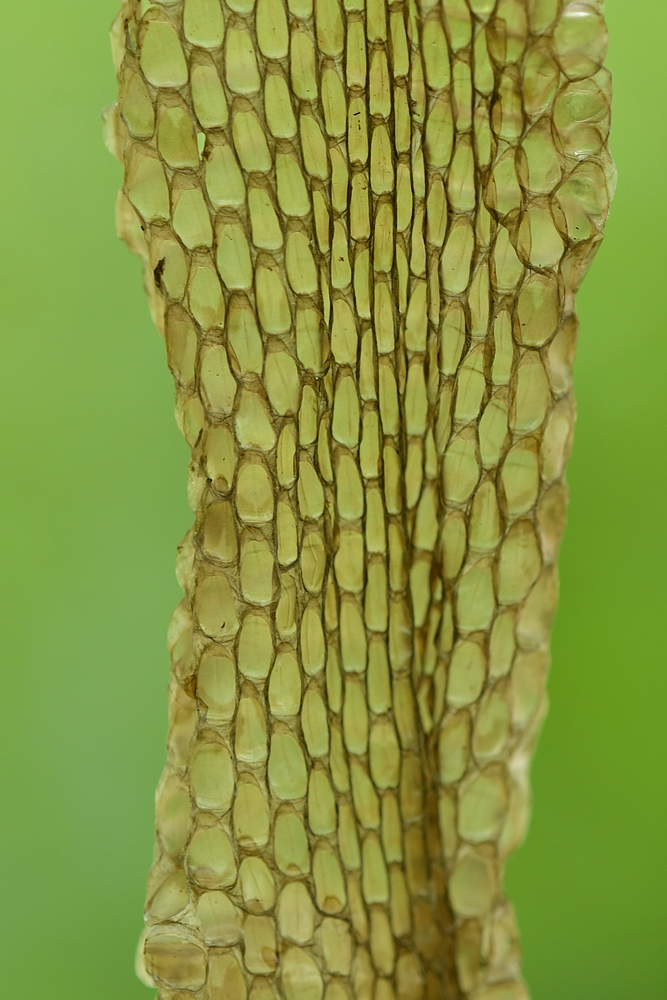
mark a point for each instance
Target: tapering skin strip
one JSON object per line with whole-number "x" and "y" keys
{"x": 363, "y": 226}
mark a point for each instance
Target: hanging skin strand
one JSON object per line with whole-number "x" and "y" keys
{"x": 363, "y": 226}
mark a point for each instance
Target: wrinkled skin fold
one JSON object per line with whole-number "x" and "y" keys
{"x": 363, "y": 225}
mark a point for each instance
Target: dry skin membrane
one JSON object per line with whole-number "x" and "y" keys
{"x": 363, "y": 227}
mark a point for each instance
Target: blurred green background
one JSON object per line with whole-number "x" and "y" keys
{"x": 93, "y": 504}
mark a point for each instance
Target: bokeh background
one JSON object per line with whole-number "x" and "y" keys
{"x": 92, "y": 498}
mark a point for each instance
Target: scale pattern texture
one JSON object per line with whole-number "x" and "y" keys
{"x": 363, "y": 226}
